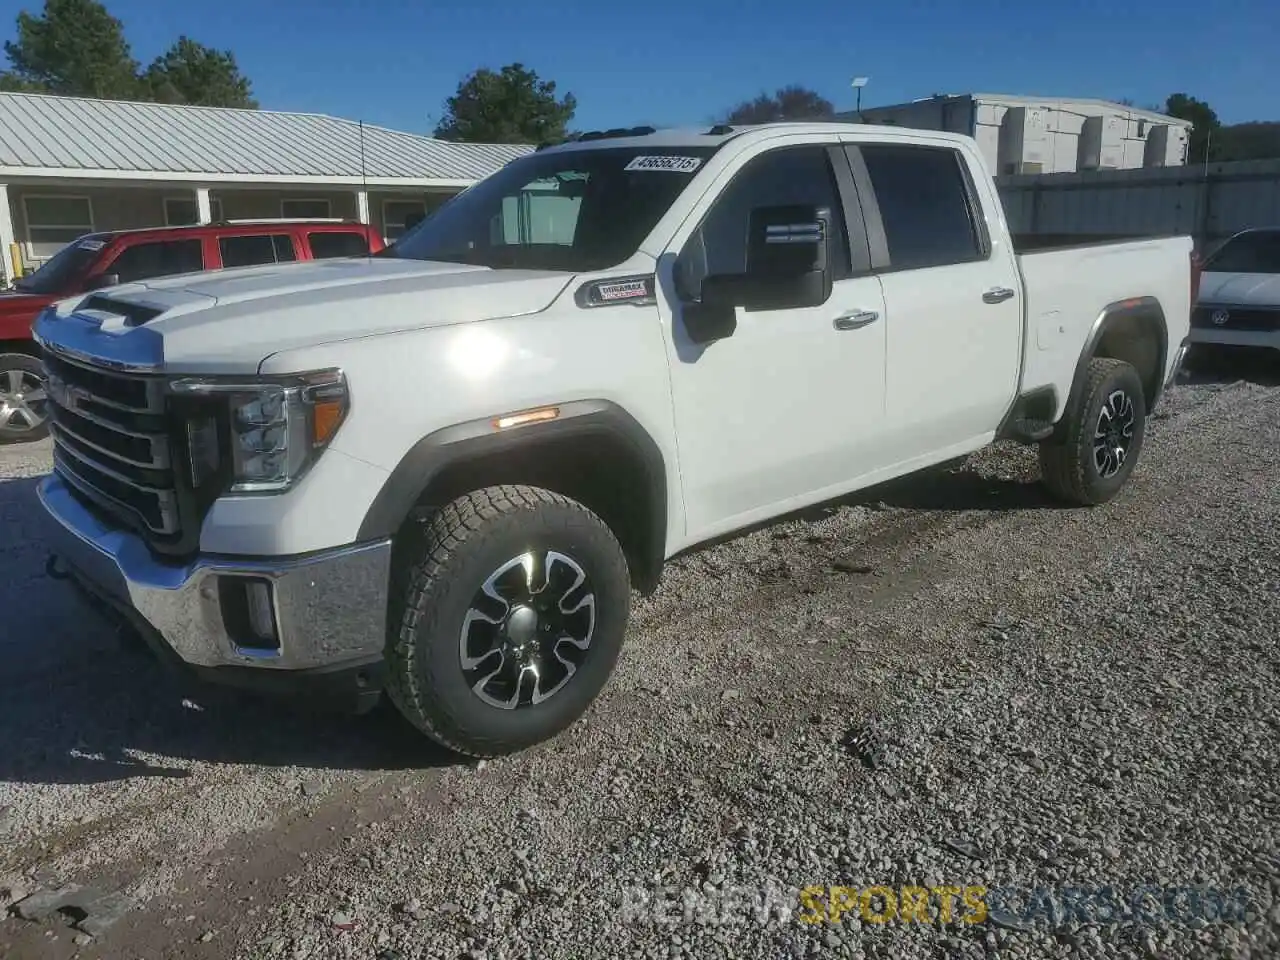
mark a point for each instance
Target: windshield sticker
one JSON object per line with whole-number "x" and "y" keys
{"x": 669, "y": 164}
{"x": 92, "y": 244}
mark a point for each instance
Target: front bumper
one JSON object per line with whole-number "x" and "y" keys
{"x": 329, "y": 607}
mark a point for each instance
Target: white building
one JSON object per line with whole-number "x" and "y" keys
{"x": 70, "y": 166}
{"x": 1044, "y": 134}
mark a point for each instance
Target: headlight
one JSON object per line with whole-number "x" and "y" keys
{"x": 277, "y": 427}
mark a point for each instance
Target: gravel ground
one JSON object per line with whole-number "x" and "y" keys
{"x": 947, "y": 683}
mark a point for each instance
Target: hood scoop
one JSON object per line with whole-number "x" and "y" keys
{"x": 116, "y": 313}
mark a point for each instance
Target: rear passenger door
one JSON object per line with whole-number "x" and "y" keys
{"x": 953, "y": 298}
{"x": 158, "y": 258}
{"x": 255, "y": 249}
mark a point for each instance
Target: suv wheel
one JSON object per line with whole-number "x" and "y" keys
{"x": 509, "y": 620}
{"x": 23, "y": 401}
{"x": 1101, "y": 436}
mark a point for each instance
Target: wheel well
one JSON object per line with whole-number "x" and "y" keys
{"x": 1138, "y": 338}
{"x": 599, "y": 469}
{"x": 27, "y": 347}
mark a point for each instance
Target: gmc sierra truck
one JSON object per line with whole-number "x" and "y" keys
{"x": 439, "y": 471}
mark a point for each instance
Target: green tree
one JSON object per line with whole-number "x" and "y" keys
{"x": 189, "y": 72}
{"x": 788, "y": 103}
{"x": 74, "y": 47}
{"x": 509, "y": 106}
{"x": 1255, "y": 140}
{"x": 1204, "y": 142}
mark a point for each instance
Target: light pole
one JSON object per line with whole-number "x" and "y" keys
{"x": 858, "y": 84}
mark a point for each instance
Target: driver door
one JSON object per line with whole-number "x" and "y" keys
{"x": 787, "y": 410}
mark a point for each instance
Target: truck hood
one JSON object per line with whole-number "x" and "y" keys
{"x": 228, "y": 321}
{"x": 1240, "y": 289}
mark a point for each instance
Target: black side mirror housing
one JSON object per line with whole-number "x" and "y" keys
{"x": 98, "y": 281}
{"x": 787, "y": 268}
{"x": 788, "y": 262}
{"x": 708, "y": 321}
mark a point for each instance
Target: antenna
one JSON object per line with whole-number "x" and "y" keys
{"x": 364, "y": 189}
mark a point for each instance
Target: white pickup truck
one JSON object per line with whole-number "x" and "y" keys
{"x": 440, "y": 471}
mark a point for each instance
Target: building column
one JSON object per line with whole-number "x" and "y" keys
{"x": 362, "y": 206}
{"x": 7, "y": 236}
{"x": 204, "y": 210}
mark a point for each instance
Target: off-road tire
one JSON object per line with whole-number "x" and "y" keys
{"x": 442, "y": 564}
{"x": 29, "y": 365}
{"x": 1067, "y": 463}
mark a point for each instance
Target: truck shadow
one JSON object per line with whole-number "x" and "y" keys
{"x": 1223, "y": 365}
{"x": 83, "y": 701}
{"x": 963, "y": 487}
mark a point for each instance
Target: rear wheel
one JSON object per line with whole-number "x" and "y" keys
{"x": 509, "y": 620}
{"x": 1101, "y": 437}
{"x": 23, "y": 403}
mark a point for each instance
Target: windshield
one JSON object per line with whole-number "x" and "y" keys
{"x": 1254, "y": 252}
{"x": 62, "y": 272}
{"x": 578, "y": 210}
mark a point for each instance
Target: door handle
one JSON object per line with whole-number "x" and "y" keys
{"x": 997, "y": 295}
{"x": 855, "y": 319}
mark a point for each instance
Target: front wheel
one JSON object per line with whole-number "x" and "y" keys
{"x": 509, "y": 621}
{"x": 23, "y": 415}
{"x": 1100, "y": 438}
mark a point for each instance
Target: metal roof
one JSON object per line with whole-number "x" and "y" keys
{"x": 72, "y": 136}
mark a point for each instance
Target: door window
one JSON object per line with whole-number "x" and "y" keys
{"x": 923, "y": 195}
{"x": 790, "y": 175}
{"x": 143, "y": 261}
{"x": 338, "y": 244}
{"x": 255, "y": 249}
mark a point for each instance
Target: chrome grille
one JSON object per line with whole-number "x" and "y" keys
{"x": 111, "y": 443}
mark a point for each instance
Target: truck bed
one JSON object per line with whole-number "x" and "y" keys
{"x": 1068, "y": 287}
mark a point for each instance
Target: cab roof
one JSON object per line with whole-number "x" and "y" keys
{"x": 719, "y": 134}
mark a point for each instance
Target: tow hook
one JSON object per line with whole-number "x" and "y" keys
{"x": 54, "y": 571}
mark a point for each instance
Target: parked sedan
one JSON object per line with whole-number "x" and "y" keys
{"x": 1239, "y": 300}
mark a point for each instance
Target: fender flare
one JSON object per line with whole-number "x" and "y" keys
{"x": 427, "y": 459}
{"x": 1134, "y": 308}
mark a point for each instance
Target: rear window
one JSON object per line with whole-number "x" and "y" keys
{"x": 256, "y": 249}
{"x": 924, "y": 204}
{"x": 161, "y": 258}
{"x": 333, "y": 243}
{"x": 1248, "y": 253}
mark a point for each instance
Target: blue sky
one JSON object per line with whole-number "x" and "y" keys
{"x": 668, "y": 62}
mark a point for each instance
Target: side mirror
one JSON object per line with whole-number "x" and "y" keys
{"x": 788, "y": 262}
{"x": 98, "y": 281}
{"x": 707, "y": 321}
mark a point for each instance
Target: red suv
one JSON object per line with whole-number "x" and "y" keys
{"x": 105, "y": 259}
